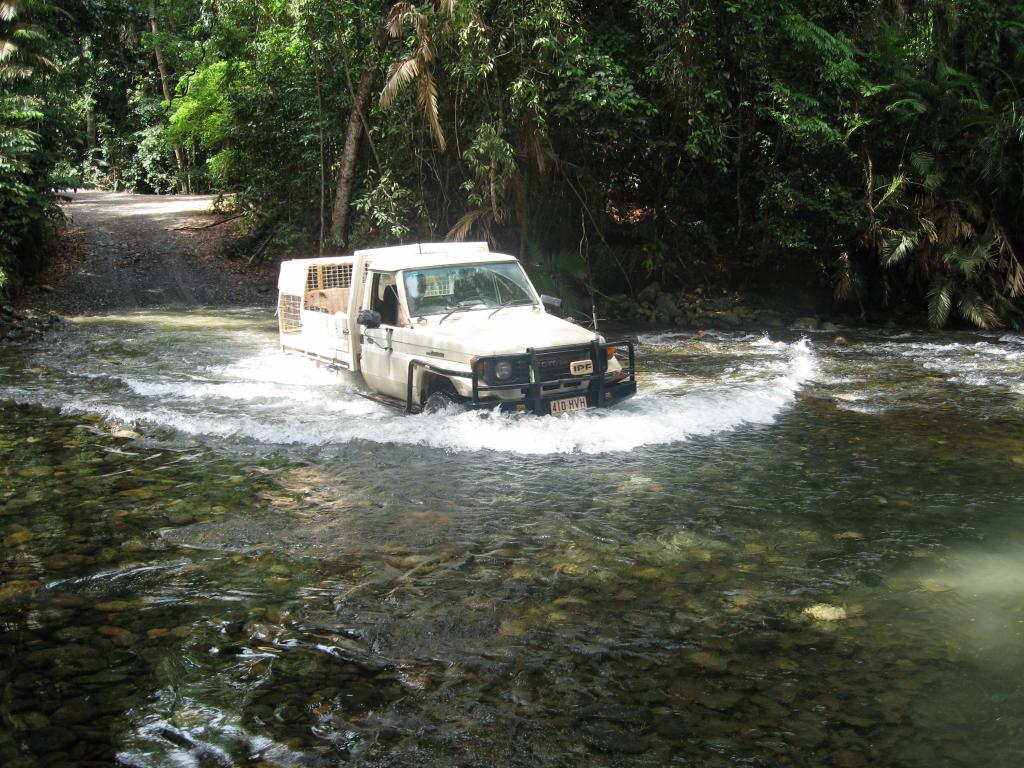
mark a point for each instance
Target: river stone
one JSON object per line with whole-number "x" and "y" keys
{"x": 114, "y": 606}
{"x": 50, "y": 739}
{"x": 29, "y": 721}
{"x": 13, "y": 589}
{"x": 721, "y": 701}
{"x": 709, "y": 660}
{"x": 75, "y": 712}
{"x": 806, "y": 324}
{"x": 664, "y": 305}
{"x": 649, "y": 294}
{"x": 934, "y": 585}
{"x": 825, "y": 612}
{"x": 17, "y": 539}
{"x": 602, "y": 736}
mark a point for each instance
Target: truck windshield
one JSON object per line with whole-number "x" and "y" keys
{"x": 440, "y": 290}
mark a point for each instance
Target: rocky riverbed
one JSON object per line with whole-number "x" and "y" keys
{"x": 23, "y": 325}
{"x": 706, "y": 309}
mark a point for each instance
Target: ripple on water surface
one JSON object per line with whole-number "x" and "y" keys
{"x": 733, "y": 566}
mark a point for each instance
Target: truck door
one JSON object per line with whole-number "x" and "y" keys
{"x": 384, "y": 367}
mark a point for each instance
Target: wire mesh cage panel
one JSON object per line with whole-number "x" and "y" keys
{"x": 289, "y": 316}
{"x": 336, "y": 276}
{"x": 312, "y": 277}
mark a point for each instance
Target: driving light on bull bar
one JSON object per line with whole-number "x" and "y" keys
{"x": 503, "y": 370}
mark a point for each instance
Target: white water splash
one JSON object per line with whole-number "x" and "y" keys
{"x": 240, "y": 387}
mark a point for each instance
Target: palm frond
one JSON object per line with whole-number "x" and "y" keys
{"x": 893, "y": 187}
{"x": 927, "y": 226}
{"x": 940, "y": 298}
{"x": 898, "y": 247}
{"x": 426, "y": 95}
{"x": 1015, "y": 279}
{"x": 7, "y": 49}
{"x": 15, "y": 72}
{"x": 974, "y": 309}
{"x": 399, "y": 75}
{"x": 465, "y": 224}
{"x": 397, "y": 16}
{"x": 9, "y": 10}
{"x": 447, "y": 7}
{"x": 924, "y": 163}
{"x": 425, "y": 47}
{"x": 843, "y": 278}
{"x": 970, "y": 259}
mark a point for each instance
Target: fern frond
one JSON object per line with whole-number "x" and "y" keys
{"x": 426, "y": 95}
{"x": 914, "y": 104}
{"x": 940, "y": 298}
{"x": 399, "y": 75}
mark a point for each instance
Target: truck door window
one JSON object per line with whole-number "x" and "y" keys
{"x": 385, "y": 299}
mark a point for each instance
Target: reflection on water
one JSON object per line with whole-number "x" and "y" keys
{"x": 782, "y": 553}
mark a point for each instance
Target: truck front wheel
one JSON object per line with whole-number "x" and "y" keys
{"x": 440, "y": 396}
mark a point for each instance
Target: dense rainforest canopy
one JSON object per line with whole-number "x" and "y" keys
{"x": 874, "y": 146}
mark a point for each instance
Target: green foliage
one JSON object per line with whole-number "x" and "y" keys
{"x": 386, "y": 209}
{"x": 31, "y": 123}
{"x": 685, "y": 142}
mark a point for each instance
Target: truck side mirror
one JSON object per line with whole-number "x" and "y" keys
{"x": 550, "y": 301}
{"x": 369, "y": 318}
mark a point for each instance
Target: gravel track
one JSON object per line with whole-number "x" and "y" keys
{"x": 129, "y": 251}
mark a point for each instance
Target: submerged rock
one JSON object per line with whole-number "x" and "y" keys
{"x": 825, "y": 612}
{"x": 806, "y": 324}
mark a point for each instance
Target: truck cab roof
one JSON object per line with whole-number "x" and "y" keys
{"x": 423, "y": 255}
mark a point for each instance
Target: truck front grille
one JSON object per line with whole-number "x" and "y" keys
{"x": 555, "y": 365}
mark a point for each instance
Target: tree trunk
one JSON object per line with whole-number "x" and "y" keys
{"x": 161, "y": 65}
{"x": 350, "y": 153}
{"x": 523, "y": 206}
{"x": 90, "y": 122}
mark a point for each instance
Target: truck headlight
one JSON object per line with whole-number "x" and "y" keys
{"x": 503, "y": 370}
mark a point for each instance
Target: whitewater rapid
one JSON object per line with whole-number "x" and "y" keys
{"x": 228, "y": 380}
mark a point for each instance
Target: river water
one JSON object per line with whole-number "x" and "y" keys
{"x": 781, "y": 552}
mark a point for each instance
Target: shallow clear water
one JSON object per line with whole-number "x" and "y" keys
{"x": 281, "y": 572}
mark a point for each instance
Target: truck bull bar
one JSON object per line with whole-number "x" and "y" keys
{"x": 537, "y": 394}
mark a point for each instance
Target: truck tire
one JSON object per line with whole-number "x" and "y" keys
{"x": 441, "y": 395}
{"x": 438, "y": 401}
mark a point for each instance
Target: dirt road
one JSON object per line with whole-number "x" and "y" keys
{"x": 143, "y": 251}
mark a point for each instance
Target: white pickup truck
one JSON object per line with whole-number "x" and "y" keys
{"x": 434, "y": 324}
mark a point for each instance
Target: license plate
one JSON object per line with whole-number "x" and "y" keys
{"x": 568, "y": 405}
